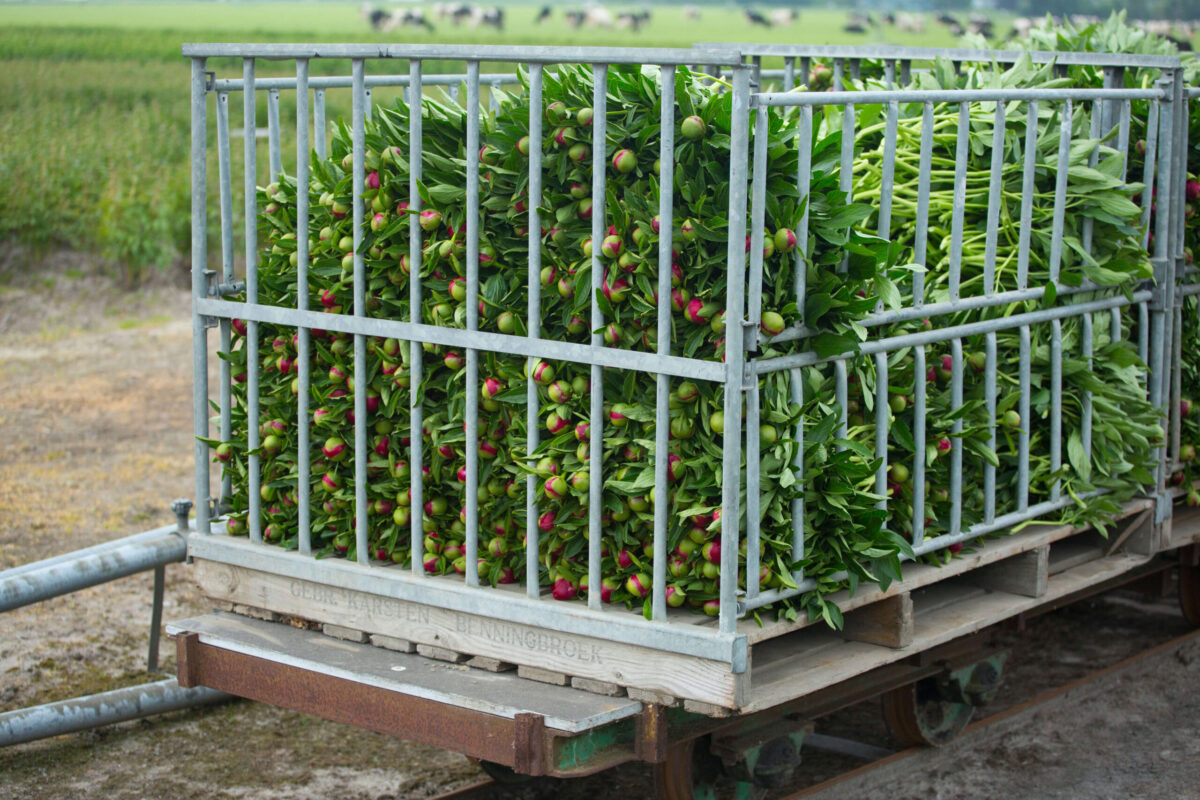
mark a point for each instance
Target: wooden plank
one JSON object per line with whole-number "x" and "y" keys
{"x": 598, "y": 687}
{"x": 616, "y": 662}
{"x": 342, "y": 632}
{"x": 1024, "y": 574}
{"x": 441, "y": 653}
{"x": 392, "y": 643}
{"x": 956, "y": 609}
{"x": 652, "y": 697}
{"x": 918, "y": 575}
{"x": 543, "y": 675}
{"x": 888, "y": 623}
{"x": 490, "y": 664}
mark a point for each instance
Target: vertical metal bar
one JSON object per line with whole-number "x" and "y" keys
{"x": 1144, "y": 338}
{"x": 1123, "y": 136}
{"x": 753, "y": 488}
{"x": 846, "y": 171}
{"x": 960, "y": 197}
{"x": 797, "y": 387}
{"x": 838, "y": 74}
{"x": 889, "y": 170}
{"x": 757, "y": 221}
{"x": 666, "y": 212}
{"x": 922, "y": 234}
{"x": 1114, "y": 325}
{"x": 1029, "y": 170}
{"x": 841, "y": 395}
{"x": 889, "y": 73}
{"x": 156, "y": 606}
{"x": 199, "y": 289}
{"x": 734, "y": 349}
{"x": 905, "y": 72}
{"x": 472, "y": 543}
{"x": 956, "y": 446}
{"x": 805, "y": 70}
{"x": 1085, "y": 238}
{"x": 882, "y": 410}
{"x": 1148, "y": 170}
{"x": 223, "y": 172}
{"x": 250, "y": 191}
{"x": 756, "y": 76}
{"x": 254, "y": 462}
{"x": 596, "y": 445}
{"x": 994, "y": 200}
{"x": 367, "y": 104}
{"x": 989, "y": 393}
{"x": 1165, "y": 251}
{"x": 303, "y": 355}
{"x": 1055, "y": 405}
{"x": 855, "y": 68}
{"x": 1085, "y": 423}
{"x": 1060, "y": 191}
{"x": 803, "y": 184}
{"x": 358, "y": 134}
{"x": 918, "y": 469}
{"x": 319, "y": 125}
{"x": 534, "y": 327}
{"x": 416, "y": 351}
{"x": 1023, "y": 378}
{"x": 789, "y": 73}
{"x": 273, "y": 134}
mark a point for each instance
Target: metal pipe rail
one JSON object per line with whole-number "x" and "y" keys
{"x": 120, "y": 558}
{"x": 738, "y": 374}
{"x": 105, "y": 708}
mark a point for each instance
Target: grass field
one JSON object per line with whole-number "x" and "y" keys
{"x": 94, "y": 106}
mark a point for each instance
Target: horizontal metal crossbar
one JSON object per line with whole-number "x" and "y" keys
{"x": 456, "y": 52}
{"x": 677, "y": 366}
{"x": 370, "y": 81}
{"x": 938, "y": 309}
{"x": 898, "y": 53}
{"x": 807, "y": 359}
{"x": 949, "y": 96}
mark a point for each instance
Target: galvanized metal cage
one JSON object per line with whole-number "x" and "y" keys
{"x": 743, "y": 367}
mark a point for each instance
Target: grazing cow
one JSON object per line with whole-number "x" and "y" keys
{"x": 543, "y": 15}
{"x": 947, "y": 20}
{"x": 1021, "y": 27}
{"x": 412, "y": 17}
{"x": 691, "y": 13}
{"x": 782, "y": 16}
{"x": 488, "y": 17}
{"x": 374, "y": 16}
{"x": 854, "y": 27}
{"x": 755, "y": 18}
{"x": 633, "y": 20}
{"x": 910, "y": 23}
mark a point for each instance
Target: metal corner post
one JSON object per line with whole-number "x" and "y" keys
{"x": 199, "y": 287}
{"x": 735, "y": 356}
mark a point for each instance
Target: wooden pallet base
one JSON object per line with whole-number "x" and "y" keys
{"x": 1000, "y": 579}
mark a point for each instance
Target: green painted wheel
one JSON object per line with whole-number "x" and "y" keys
{"x": 935, "y": 710}
{"x": 691, "y": 772}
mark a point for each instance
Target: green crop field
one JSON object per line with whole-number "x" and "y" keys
{"x": 94, "y": 106}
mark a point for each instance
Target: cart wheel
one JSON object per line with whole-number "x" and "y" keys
{"x": 916, "y": 715}
{"x": 691, "y": 772}
{"x": 1189, "y": 594}
{"x": 935, "y": 710}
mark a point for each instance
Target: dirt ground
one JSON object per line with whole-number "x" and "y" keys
{"x": 95, "y": 421}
